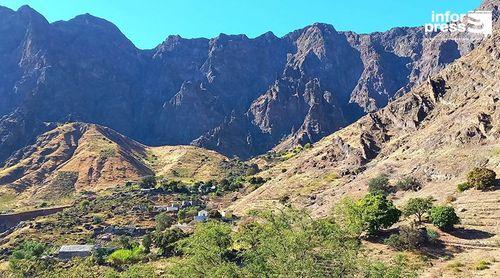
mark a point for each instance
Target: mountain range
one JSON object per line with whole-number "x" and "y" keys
{"x": 436, "y": 133}
{"x": 237, "y": 95}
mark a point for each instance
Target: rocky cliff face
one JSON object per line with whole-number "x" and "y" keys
{"x": 435, "y": 133}
{"x": 234, "y": 94}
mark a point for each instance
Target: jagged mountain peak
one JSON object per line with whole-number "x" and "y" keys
{"x": 269, "y": 35}
{"x": 89, "y": 19}
{"x": 30, "y": 15}
{"x": 89, "y": 71}
{"x": 27, "y": 10}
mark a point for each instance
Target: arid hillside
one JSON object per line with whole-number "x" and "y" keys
{"x": 77, "y": 156}
{"x": 435, "y": 134}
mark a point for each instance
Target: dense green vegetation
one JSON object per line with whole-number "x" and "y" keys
{"x": 444, "y": 217}
{"x": 283, "y": 243}
{"x": 371, "y": 213}
{"x": 287, "y": 243}
{"x": 125, "y": 256}
{"x": 26, "y": 260}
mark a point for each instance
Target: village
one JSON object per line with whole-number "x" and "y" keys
{"x": 102, "y": 222}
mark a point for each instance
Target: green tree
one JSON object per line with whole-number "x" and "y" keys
{"x": 166, "y": 241}
{"x": 148, "y": 182}
{"x": 286, "y": 243}
{"x": 146, "y": 243}
{"x": 289, "y": 243}
{"x": 26, "y": 261}
{"x": 206, "y": 253}
{"x": 418, "y": 207}
{"x": 372, "y": 213}
{"x": 481, "y": 178}
{"x": 444, "y": 217}
{"x": 379, "y": 184}
{"x": 163, "y": 221}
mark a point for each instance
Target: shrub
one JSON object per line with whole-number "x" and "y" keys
{"x": 134, "y": 271}
{"x": 148, "y": 182}
{"x": 408, "y": 238}
{"x": 482, "y": 265}
{"x": 418, "y": 207}
{"x": 25, "y": 260}
{"x": 481, "y": 178}
{"x": 146, "y": 243}
{"x": 230, "y": 185}
{"x": 84, "y": 204}
{"x": 252, "y": 169}
{"x": 166, "y": 241}
{"x": 214, "y": 214}
{"x": 97, "y": 219}
{"x": 408, "y": 183}
{"x": 461, "y": 187}
{"x": 379, "y": 184}
{"x": 400, "y": 266}
{"x": 186, "y": 213}
{"x": 444, "y": 217}
{"x": 284, "y": 199}
{"x": 125, "y": 242}
{"x": 29, "y": 250}
{"x": 256, "y": 180}
{"x": 432, "y": 236}
{"x": 125, "y": 256}
{"x": 163, "y": 221}
{"x": 450, "y": 199}
{"x": 101, "y": 253}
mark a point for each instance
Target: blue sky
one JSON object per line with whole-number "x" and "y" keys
{"x": 149, "y": 24}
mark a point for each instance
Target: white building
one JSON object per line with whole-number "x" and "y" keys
{"x": 67, "y": 252}
{"x": 202, "y": 216}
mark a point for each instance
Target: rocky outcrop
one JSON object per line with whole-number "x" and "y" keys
{"x": 435, "y": 133}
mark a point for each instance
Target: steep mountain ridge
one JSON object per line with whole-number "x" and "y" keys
{"x": 208, "y": 92}
{"x": 435, "y": 133}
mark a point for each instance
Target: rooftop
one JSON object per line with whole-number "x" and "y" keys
{"x": 76, "y": 248}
